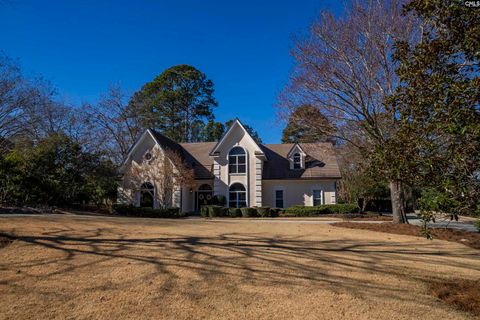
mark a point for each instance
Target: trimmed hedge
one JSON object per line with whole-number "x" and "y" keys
{"x": 131, "y": 211}
{"x": 249, "y": 212}
{"x": 234, "y": 212}
{"x": 275, "y": 212}
{"x": 213, "y": 211}
{"x": 204, "y": 211}
{"x": 219, "y": 211}
{"x": 216, "y": 211}
{"x": 264, "y": 211}
{"x": 302, "y": 211}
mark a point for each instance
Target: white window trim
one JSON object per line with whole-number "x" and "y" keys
{"x": 246, "y": 162}
{"x": 275, "y": 196}
{"x": 138, "y": 196}
{"x": 302, "y": 165}
{"x": 322, "y": 196}
{"x": 246, "y": 193}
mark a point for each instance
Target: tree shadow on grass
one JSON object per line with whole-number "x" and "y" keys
{"x": 338, "y": 265}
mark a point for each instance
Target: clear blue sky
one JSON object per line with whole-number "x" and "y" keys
{"x": 83, "y": 46}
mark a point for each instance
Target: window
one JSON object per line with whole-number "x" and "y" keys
{"x": 237, "y": 197}
{"x": 317, "y": 197}
{"x": 147, "y": 191}
{"x": 279, "y": 199}
{"x": 237, "y": 161}
{"x": 297, "y": 161}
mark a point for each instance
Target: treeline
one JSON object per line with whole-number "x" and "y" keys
{"x": 53, "y": 153}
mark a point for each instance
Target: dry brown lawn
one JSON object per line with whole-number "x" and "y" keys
{"x": 471, "y": 239}
{"x": 67, "y": 267}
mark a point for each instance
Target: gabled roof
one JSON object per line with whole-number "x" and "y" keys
{"x": 236, "y": 123}
{"x": 294, "y": 147}
{"x": 194, "y": 154}
{"x": 320, "y": 162}
{"x": 146, "y": 133}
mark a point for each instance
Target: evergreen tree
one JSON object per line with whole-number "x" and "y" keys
{"x": 176, "y": 103}
{"x": 302, "y": 126}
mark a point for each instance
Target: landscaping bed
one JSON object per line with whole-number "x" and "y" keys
{"x": 462, "y": 294}
{"x": 467, "y": 238}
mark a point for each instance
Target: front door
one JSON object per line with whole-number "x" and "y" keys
{"x": 203, "y": 196}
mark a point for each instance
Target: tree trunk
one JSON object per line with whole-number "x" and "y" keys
{"x": 398, "y": 203}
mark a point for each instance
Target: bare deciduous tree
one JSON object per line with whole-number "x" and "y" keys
{"x": 14, "y": 93}
{"x": 112, "y": 124}
{"x": 165, "y": 170}
{"x": 344, "y": 68}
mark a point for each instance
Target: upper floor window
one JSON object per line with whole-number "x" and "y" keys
{"x": 237, "y": 160}
{"x": 297, "y": 161}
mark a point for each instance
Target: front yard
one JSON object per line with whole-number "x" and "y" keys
{"x": 132, "y": 268}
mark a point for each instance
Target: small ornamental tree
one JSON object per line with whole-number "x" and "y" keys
{"x": 165, "y": 170}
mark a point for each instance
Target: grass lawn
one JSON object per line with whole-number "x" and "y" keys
{"x": 74, "y": 267}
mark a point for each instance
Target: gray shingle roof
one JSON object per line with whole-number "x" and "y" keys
{"x": 320, "y": 163}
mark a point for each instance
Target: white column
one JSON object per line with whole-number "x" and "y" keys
{"x": 258, "y": 182}
{"x": 217, "y": 178}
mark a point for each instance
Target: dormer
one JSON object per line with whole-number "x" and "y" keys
{"x": 296, "y": 158}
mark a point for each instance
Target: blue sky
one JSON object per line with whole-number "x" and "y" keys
{"x": 83, "y": 46}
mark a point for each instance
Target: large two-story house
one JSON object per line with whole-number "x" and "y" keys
{"x": 245, "y": 172}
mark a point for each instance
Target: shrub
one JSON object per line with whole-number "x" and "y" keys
{"x": 204, "y": 211}
{"x": 249, "y": 212}
{"x": 264, "y": 211}
{"x": 477, "y": 224}
{"x": 216, "y": 211}
{"x": 234, "y": 212}
{"x": 275, "y": 212}
{"x": 343, "y": 208}
{"x": 220, "y": 200}
{"x": 302, "y": 211}
{"x": 129, "y": 210}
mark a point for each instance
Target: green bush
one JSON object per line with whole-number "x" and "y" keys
{"x": 264, "y": 211}
{"x": 204, "y": 211}
{"x": 234, "y": 212}
{"x": 220, "y": 200}
{"x": 213, "y": 211}
{"x": 302, "y": 211}
{"x": 249, "y": 212}
{"x": 129, "y": 210}
{"x": 275, "y": 212}
{"x": 477, "y": 224}
{"x": 216, "y": 211}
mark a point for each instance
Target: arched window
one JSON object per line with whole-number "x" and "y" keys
{"x": 297, "y": 161}
{"x": 147, "y": 191}
{"x": 237, "y": 197}
{"x": 237, "y": 160}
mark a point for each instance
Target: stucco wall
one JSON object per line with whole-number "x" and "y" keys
{"x": 297, "y": 192}
{"x": 237, "y": 138}
{"x": 128, "y": 190}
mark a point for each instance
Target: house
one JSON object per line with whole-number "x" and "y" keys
{"x": 244, "y": 172}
